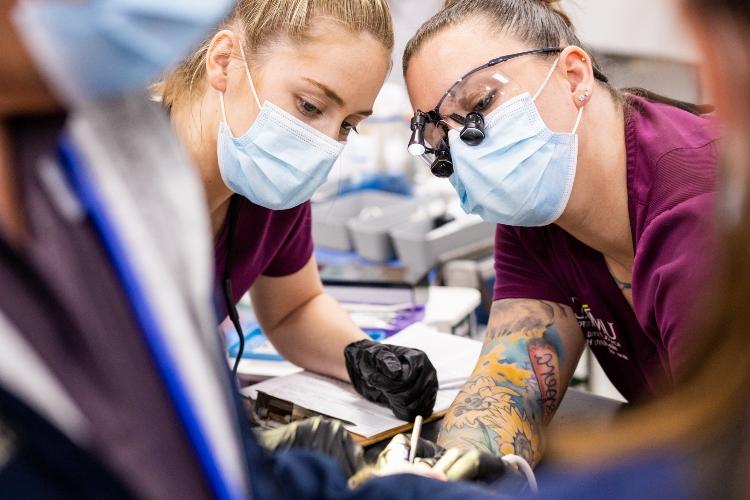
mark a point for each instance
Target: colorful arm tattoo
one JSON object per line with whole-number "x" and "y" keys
{"x": 516, "y": 386}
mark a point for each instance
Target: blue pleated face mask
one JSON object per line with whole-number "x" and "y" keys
{"x": 103, "y": 48}
{"x": 522, "y": 174}
{"x": 280, "y": 161}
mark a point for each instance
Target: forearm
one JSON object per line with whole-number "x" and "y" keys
{"x": 314, "y": 336}
{"x": 498, "y": 411}
{"x": 517, "y": 384}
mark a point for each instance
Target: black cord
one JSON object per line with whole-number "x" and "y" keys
{"x": 227, "y": 288}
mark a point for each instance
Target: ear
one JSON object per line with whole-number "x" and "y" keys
{"x": 579, "y": 71}
{"x": 218, "y": 57}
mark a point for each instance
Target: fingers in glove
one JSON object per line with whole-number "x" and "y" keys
{"x": 396, "y": 451}
{"x": 491, "y": 468}
{"x": 330, "y": 437}
{"x": 389, "y": 364}
{"x": 448, "y": 459}
{"x": 407, "y": 409}
{"x": 465, "y": 468}
{"x": 428, "y": 449}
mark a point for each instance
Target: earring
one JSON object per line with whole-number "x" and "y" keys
{"x": 585, "y": 95}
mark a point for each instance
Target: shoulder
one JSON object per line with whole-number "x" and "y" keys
{"x": 674, "y": 259}
{"x": 685, "y": 230}
{"x": 673, "y": 158}
{"x": 660, "y": 128}
{"x": 261, "y": 230}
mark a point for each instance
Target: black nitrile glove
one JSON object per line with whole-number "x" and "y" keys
{"x": 317, "y": 434}
{"x": 400, "y": 378}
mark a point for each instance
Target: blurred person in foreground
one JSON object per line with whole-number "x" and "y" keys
{"x": 112, "y": 380}
{"x": 696, "y": 442}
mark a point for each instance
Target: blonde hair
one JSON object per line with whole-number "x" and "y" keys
{"x": 263, "y": 22}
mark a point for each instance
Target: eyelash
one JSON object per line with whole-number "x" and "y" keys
{"x": 487, "y": 99}
{"x": 304, "y": 106}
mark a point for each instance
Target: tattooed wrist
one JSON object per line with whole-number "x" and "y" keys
{"x": 517, "y": 385}
{"x": 545, "y": 363}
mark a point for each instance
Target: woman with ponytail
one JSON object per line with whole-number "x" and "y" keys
{"x": 265, "y": 107}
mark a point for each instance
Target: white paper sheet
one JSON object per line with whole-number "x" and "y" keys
{"x": 453, "y": 358}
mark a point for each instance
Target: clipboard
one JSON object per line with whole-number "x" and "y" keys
{"x": 283, "y": 412}
{"x": 304, "y": 394}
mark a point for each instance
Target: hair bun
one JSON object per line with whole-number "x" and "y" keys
{"x": 555, "y": 6}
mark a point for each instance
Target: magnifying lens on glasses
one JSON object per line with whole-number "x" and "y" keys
{"x": 462, "y": 108}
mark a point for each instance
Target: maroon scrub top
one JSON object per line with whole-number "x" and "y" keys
{"x": 671, "y": 180}
{"x": 272, "y": 243}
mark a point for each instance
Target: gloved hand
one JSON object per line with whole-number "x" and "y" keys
{"x": 436, "y": 462}
{"x": 394, "y": 459}
{"x": 400, "y": 378}
{"x": 317, "y": 434}
{"x": 471, "y": 465}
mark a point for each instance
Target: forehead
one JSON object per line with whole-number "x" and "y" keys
{"x": 452, "y": 53}
{"x": 354, "y": 65}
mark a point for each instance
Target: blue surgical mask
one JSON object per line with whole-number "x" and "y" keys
{"x": 102, "y": 48}
{"x": 522, "y": 173}
{"x": 280, "y": 161}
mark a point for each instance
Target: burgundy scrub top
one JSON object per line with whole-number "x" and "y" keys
{"x": 272, "y": 243}
{"x": 671, "y": 181}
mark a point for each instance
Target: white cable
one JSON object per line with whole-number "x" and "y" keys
{"x": 525, "y": 468}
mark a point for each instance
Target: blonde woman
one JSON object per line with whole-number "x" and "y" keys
{"x": 265, "y": 108}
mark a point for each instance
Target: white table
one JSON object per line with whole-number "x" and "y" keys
{"x": 451, "y": 310}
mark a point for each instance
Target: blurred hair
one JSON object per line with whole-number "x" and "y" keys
{"x": 263, "y": 22}
{"x": 707, "y": 415}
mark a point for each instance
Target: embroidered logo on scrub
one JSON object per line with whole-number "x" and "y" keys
{"x": 598, "y": 332}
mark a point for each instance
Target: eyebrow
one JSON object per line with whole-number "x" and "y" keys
{"x": 331, "y": 94}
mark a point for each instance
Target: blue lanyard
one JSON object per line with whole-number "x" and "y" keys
{"x": 85, "y": 189}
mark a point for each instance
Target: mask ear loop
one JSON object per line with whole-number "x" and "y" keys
{"x": 546, "y": 80}
{"x": 578, "y": 120}
{"x": 249, "y": 76}
{"x": 544, "y": 84}
{"x": 252, "y": 87}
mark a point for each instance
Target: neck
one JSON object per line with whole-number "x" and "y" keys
{"x": 12, "y": 222}
{"x": 597, "y": 213}
{"x": 197, "y": 123}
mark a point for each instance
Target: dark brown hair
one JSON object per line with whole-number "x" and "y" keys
{"x": 539, "y": 23}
